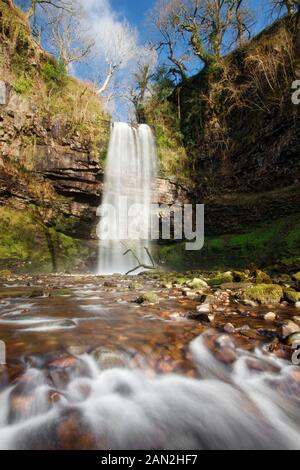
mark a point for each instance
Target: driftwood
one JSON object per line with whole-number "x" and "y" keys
{"x": 140, "y": 264}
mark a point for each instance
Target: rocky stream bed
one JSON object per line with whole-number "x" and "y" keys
{"x": 155, "y": 361}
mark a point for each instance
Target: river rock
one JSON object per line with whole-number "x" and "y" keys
{"x": 148, "y": 297}
{"x": 297, "y": 304}
{"x": 229, "y": 328}
{"x": 263, "y": 294}
{"x": 292, "y": 339}
{"x": 292, "y": 295}
{"x": 107, "y": 359}
{"x": 197, "y": 283}
{"x": 288, "y": 329}
{"x": 271, "y": 316}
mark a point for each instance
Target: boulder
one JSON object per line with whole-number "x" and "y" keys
{"x": 148, "y": 297}
{"x": 292, "y": 295}
{"x": 288, "y": 329}
{"x": 197, "y": 283}
{"x": 263, "y": 294}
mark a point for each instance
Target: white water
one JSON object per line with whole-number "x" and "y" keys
{"x": 126, "y": 409}
{"x": 130, "y": 170}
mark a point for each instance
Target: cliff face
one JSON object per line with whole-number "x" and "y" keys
{"x": 239, "y": 124}
{"x": 53, "y": 137}
{"x": 236, "y": 135}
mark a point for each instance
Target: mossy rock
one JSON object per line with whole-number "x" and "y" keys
{"x": 296, "y": 277}
{"x": 181, "y": 281}
{"x": 197, "y": 283}
{"x": 5, "y": 274}
{"x": 263, "y": 294}
{"x": 148, "y": 297}
{"x": 241, "y": 276}
{"x": 262, "y": 278}
{"x": 292, "y": 295}
{"x": 135, "y": 286}
{"x": 222, "y": 278}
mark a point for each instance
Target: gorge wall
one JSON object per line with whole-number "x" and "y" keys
{"x": 233, "y": 133}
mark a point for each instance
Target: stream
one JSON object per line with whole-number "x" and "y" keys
{"x": 88, "y": 368}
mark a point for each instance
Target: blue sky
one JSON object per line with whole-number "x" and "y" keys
{"x": 136, "y": 10}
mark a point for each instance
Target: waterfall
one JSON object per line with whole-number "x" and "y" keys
{"x": 125, "y": 209}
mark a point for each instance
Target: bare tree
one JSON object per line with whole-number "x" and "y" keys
{"x": 170, "y": 38}
{"x": 68, "y": 36}
{"x": 120, "y": 48}
{"x": 207, "y": 23}
{"x": 31, "y": 6}
{"x": 292, "y": 6}
{"x": 142, "y": 76}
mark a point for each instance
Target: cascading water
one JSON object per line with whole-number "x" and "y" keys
{"x": 125, "y": 209}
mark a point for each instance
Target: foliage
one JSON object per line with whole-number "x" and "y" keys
{"x": 23, "y": 86}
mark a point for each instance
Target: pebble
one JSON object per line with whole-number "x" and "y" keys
{"x": 271, "y": 316}
{"x": 297, "y": 304}
{"x": 229, "y": 328}
{"x": 205, "y": 308}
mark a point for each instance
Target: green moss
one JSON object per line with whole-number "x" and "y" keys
{"x": 148, "y": 297}
{"x": 54, "y": 74}
{"x": 23, "y": 86}
{"x": 24, "y": 245}
{"x": 263, "y": 293}
{"x": 221, "y": 278}
{"x": 291, "y": 295}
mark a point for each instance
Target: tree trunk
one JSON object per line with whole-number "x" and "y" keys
{"x": 107, "y": 80}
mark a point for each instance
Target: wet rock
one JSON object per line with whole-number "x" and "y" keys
{"x": 292, "y": 295}
{"x": 133, "y": 286}
{"x": 289, "y": 328}
{"x": 205, "y": 317}
{"x": 204, "y": 308}
{"x": 63, "y": 363}
{"x": 263, "y": 294}
{"x": 269, "y": 334}
{"x": 262, "y": 278}
{"x": 241, "y": 276}
{"x": 271, "y": 316}
{"x": 197, "y": 283}
{"x": 296, "y": 277}
{"x": 229, "y": 328}
{"x": 107, "y": 359}
{"x": 110, "y": 284}
{"x": 292, "y": 339}
{"x": 221, "y": 278}
{"x": 149, "y": 298}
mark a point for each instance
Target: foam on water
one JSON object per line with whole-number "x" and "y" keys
{"x": 127, "y": 409}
